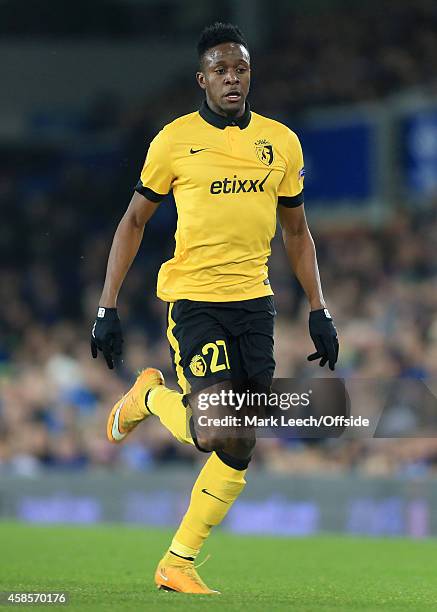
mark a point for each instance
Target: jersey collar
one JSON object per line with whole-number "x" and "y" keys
{"x": 221, "y": 122}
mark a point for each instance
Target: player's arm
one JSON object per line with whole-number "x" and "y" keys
{"x": 106, "y": 334}
{"x": 125, "y": 245}
{"x": 301, "y": 253}
{"x": 155, "y": 182}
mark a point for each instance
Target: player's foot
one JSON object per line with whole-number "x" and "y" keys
{"x": 176, "y": 574}
{"x": 131, "y": 408}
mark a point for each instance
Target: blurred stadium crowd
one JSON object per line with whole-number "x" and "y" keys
{"x": 62, "y": 209}
{"x": 352, "y": 53}
{"x": 332, "y": 52}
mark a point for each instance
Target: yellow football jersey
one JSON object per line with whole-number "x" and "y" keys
{"x": 227, "y": 176}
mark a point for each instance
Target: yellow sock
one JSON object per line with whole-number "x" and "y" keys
{"x": 214, "y": 492}
{"x": 168, "y": 407}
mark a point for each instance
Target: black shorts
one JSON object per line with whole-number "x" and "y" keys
{"x": 216, "y": 341}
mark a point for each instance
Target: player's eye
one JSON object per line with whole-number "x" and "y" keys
{"x": 241, "y": 69}
{"x": 220, "y": 70}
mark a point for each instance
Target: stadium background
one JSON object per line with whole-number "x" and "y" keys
{"x": 84, "y": 89}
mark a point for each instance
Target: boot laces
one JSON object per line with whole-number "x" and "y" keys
{"x": 206, "y": 559}
{"x": 191, "y": 571}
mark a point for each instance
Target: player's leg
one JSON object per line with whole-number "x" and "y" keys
{"x": 222, "y": 478}
{"x": 250, "y": 346}
{"x": 202, "y": 352}
{"x": 190, "y": 329}
{"x": 218, "y": 485}
{"x": 150, "y": 396}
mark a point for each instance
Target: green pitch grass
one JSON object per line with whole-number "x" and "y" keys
{"x": 111, "y": 568}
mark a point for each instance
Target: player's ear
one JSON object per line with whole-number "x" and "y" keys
{"x": 200, "y": 78}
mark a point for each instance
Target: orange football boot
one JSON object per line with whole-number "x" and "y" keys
{"x": 131, "y": 408}
{"x": 176, "y": 574}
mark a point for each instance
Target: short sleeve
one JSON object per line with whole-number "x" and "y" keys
{"x": 290, "y": 191}
{"x": 156, "y": 176}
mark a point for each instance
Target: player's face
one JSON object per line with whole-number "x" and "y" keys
{"x": 225, "y": 77}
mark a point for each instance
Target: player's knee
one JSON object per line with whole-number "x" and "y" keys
{"x": 211, "y": 441}
{"x": 240, "y": 447}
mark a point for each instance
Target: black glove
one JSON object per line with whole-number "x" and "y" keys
{"x": 324, "y": 336}
{"x": 106, "y": 336}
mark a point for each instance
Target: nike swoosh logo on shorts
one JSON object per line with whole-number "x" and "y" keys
{"x": 196, "y": 150}
{"x": 116, "y": 434}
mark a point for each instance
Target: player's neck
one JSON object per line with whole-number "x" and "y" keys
{"x": 219, "y": 111}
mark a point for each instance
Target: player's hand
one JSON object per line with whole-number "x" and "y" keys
{"x": 324, "y": 336}
{"x": 106, "y": 336}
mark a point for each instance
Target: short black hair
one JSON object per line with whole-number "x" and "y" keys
{"x": 219, "y": 33}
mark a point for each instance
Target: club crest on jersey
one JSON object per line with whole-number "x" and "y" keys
{"x": 198, "y": 365}
{"x": 264, "y": 151}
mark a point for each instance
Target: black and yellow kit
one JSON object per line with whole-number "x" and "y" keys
{"x": 228, "y": 176}
{"x": 213, "y": 341}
